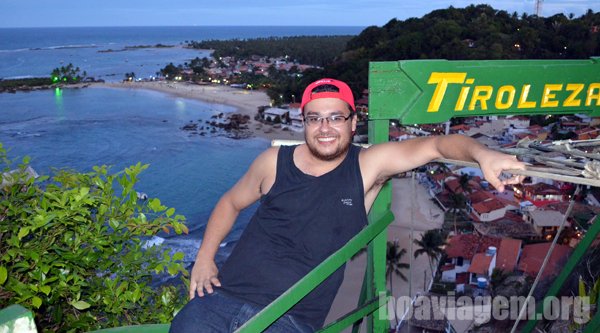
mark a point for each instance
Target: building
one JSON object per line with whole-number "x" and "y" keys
{"x": 533, "y": 256}
{"x": 276, "y": 115}
{"x": 508, "y": 254}
{"x": 545, "y": 222}
{"x": 296, "y": 119}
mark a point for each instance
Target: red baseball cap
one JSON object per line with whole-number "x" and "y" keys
{"x": 344, "y": 92}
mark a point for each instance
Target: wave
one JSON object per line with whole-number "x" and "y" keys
{"x": 61, "y": 47}
{"x": 56, "y": 47}
{"x": 17, "y": 77}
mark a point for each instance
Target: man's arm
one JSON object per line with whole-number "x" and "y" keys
{"x": 244, "y": 193}
{"x": 387, "y": 159}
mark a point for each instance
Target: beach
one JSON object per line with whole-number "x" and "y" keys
{"x": 245, "y": 101}
{"x": 425, "y": 216}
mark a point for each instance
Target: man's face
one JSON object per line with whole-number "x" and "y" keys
{"x": 326, "y": 140}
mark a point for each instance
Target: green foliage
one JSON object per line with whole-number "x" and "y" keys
{"x": 67, "y": 74}
{"x": 26, "y": 82}
{"x": 431, "y": 244}
{"x": 476, "y": 32}
{"x": 72, "y": 250}
{"x": 171, "y": 71}
{"x": 311, "y": 50}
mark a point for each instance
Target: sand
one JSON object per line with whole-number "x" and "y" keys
{"x": 246, "y": 102}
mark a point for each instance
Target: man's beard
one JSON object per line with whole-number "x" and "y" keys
{"x": 342, "y": 150}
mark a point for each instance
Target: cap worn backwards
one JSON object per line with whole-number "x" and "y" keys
{"x": 344, "y": 92}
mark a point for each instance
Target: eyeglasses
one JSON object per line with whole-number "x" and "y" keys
{"x": 334, "y": 120}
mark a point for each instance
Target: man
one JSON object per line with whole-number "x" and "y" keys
{"x": 314, "y": 198}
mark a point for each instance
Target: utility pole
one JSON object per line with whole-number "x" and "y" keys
{"x": 538, "y": 7}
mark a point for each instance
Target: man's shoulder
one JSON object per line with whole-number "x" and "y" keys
{"x": 268, "y": 156}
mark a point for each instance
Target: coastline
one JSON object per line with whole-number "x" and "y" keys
{"x": 246, "y": 102}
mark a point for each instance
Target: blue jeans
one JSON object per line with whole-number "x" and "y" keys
{"x": 220, "y": 313}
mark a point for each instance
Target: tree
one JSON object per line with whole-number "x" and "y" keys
{"x": 458, "y": 202}
{"x": 74, "y": 249}
{"x": 170, "y": 71}
{"x": 394, "y": 264}
{"x": 430, "y": 244}
{"x": 66, "y": 74}
{"x": 130, "y": 76}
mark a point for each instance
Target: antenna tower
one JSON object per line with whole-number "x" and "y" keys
{"x": 538, "y": 7}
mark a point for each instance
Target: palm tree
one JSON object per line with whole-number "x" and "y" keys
{"x": 464, "y": 183}
{"x": 431, "y": 243}
{"x": 458, "y": 202}
{"x": 394, "y": 264}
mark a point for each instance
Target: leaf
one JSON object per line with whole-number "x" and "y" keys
{"x": 3, "y": 275}
{"x": 36, "y": 302}
{"x": 582, "y": 292}
{"x": 170, "y": 211}
{"x": 23, "y": 232}
{"x": 155, "y": 205}
{"x": 113, "y": 223}
{"x": 45, "y": 290}
{"x": 80, "y": 305}
{"x": 178, "y": 256}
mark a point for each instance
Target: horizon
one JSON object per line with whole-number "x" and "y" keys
{"x": 188, "y": 13}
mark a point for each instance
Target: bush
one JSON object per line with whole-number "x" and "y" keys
{"x": 72, "y": 250}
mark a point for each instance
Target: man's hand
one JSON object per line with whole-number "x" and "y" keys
{"x": 204, "y": 276}
{"x": 492, "y": 165}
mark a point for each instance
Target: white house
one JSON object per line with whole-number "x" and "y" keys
{"x": 271, "y": 114}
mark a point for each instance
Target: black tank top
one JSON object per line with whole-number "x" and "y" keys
{"x": 299, "y": 223}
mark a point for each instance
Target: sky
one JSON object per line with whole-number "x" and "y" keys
{"x": 77, "y": 13}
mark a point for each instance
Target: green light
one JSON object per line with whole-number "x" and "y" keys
{"x": 57, "y": 92}
{"x": 54, "y": 79}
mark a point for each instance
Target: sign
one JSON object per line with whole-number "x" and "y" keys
{"x": 433, "y": 91}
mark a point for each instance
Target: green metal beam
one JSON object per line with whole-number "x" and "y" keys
{"x": 574, "y": 259}
{"x": 377, "y": 322}
{"x": 293, "y": 295}
{"x": 594, "y": 325}
{"x": 355, "y": 314}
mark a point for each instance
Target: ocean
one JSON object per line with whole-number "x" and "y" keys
{"x": 26, "y": 52}
{"x": 80, "y": 128}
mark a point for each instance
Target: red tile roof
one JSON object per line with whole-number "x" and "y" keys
{"x": 533, "y": 255}
{"x": 460, "y": 127}
{"x": 508, "y": 254}
{"x": 480, "y": 264}
{"x": 447, "y": 267}
{"x": 488, "y": 206}
{"x": 467, "y": 245}
{"x": 453, "y": 185}
{"x": 479, "y": 196}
